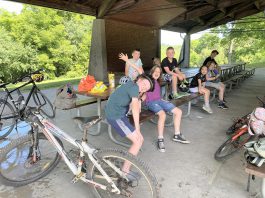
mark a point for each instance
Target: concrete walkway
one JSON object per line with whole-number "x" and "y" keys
{"x": 185, "y": 171}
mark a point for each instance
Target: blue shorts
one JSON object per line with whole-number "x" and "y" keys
{"x": 122, "y": 126}
{"x": 158, "y": 105}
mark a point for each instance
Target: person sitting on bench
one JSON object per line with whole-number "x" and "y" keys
{"x": 198, "y": 85}
{"x": 134, "y": 65}
{"x": 117, "y": 106}
{"x": 172, "y": 73}
{"x": 214, "y": 81}
{"x": 160, "y": 107}
{"x": 217, "y": 69}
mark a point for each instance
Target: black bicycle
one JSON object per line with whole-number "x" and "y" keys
{"x": 11, "y": 114}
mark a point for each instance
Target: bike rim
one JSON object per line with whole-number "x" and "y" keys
{"x": 17, "y": 165}
{"x": 140, "y": 188}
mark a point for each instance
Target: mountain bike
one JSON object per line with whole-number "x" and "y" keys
{"x": 11, "y": 112}
{"x": 238, "y": 123}
{"x": 32, "y": 157}
{"x": 239, "y": 137}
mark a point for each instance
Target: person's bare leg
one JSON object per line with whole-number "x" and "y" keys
{"x": 206, "y": 93}
{"x": 221, "y": 92}
{"x": 161, "y": 123}
{"x": 177, "y": 113}
{"x": 174, "y": 84}
{"x": 137, "y": 141}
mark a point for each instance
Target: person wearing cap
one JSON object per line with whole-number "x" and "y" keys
{"x": 118, "y": 105}
{"x": 211, "y": 58}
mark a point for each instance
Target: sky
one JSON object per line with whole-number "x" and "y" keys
{"x": 167, "y": 37}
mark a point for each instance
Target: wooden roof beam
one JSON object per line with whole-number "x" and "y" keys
{"x": 77, "y": 8}
{"x": 257, "y": 4}
{"x": 105, "y": 5}
{"x": 218, "y": 17}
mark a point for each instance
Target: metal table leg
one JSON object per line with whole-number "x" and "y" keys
{"x": 188, "y": 113}
{"x": 115, "y": 140}
{"x": 98, "y": 131}
{"x": 263, "y": 188}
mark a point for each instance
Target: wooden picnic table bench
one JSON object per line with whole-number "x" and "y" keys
{"x": 256, "y": 171}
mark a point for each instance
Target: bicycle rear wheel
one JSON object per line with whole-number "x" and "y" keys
{"x": 16, "y": 166}
{"x": 145, "y": 186}
{"x": 7, "y": 118}
{"x": 232, "y": 145}
{"x": 47, "y": 107}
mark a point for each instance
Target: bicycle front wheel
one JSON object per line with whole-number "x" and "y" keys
{"x": 232, "y": 144}
{"x": 145, "y": 184}
{"x": 41, "y": 100}
{"x": 7, "y": 118}
{"x": 16, "y": 165}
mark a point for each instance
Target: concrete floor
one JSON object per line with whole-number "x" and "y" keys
{"x": 186, "y": 171}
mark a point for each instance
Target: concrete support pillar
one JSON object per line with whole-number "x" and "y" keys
{"x": 184, "y": 57}
{"x": 98, "y": 52}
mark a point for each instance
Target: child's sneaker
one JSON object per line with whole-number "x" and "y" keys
{"x": 161, "y": 145}
{"x": 208, "y": 109}
{"x": 176, "y": 96}
{"x": 133, "y": 176}
{"x": 222, "y": 106}
{"x": 180, "y": 138}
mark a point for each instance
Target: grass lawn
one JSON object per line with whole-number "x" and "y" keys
{"x": 48, "y": 83}
{"x": 255, "y": 65}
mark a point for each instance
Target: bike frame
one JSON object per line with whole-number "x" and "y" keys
{"x": 49, "y": 130}
{"x": 33, "y": 89}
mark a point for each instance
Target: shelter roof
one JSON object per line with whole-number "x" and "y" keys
{"x": 188, "y": 16}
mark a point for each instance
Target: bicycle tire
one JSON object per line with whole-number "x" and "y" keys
{"x": 20, "y": 168}
{"x": 7, "y": 124}
{"x": 47, "y": 108}
{"x": 141, "y": 167}
{"x": 237, "y": 125}
{"x": 235, "y": 144}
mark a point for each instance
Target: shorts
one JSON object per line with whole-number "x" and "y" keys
{"x": 194, "y": 89}
{"x": 158, "y": 105}
{"x": 167, "y": 77}
{"x": 122, "y": 126}
{"x": 216, "y": 85}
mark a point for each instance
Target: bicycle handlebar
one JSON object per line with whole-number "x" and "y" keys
{"x": 28, "y": 75}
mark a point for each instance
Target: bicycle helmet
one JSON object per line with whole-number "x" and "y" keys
{"x": 124, "y": 80}
{"x": 149, "y": 78}
{"x": 183, "y": 87}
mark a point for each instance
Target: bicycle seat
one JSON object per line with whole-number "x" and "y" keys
{"x": 87, "y": 121}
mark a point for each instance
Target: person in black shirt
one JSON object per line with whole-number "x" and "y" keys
{"x": 211, "y": 58}
{"x": 171, "y": 72}
{"x": 198, "y": 85}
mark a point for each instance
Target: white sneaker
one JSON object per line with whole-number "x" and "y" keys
{"x": 208, "y": 109}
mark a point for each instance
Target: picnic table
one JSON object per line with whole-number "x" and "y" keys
{"x": 101, "y": 97}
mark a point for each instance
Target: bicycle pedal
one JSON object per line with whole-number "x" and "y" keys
{"x": 76, "y": 178}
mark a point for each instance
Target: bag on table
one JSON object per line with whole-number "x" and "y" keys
{"x": 87, "y": 83}
{"x": 65, "y": 97}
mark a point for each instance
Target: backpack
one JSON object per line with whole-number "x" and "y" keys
{"x": 65, "y": 97}
{"x": 255, "y": 152}
{"x": 257, "y": 122}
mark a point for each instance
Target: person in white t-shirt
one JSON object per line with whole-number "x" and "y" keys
{"x": 133, "y": 66}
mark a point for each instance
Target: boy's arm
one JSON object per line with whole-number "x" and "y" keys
{"x": 135, "y": 113}
{"x": 168, "y": 71}
{"x": 138, "y": 69}
{"x": 126, "y": 69}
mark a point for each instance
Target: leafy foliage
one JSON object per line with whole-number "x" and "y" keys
{"x": 55, "y": 40}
